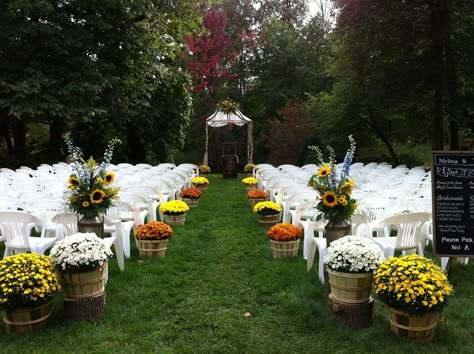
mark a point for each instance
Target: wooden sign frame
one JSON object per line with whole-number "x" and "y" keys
{"x": 452, "y": 179}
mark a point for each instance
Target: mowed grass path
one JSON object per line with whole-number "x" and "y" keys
{"x": 218, "y": 268}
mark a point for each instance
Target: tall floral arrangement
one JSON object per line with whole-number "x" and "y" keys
{"x": 335, "y": 189}
{"x": 90, "y": 189}
{"x": 228, "y": 106}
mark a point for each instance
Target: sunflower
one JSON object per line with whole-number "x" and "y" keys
{"x": 324, "y": 172}
{"x": 342, "y": 200}
{"x": 74, "y": 182}
{"x": 109, "y": 177}
{"x": 329, "y": 199}
{"x": 97, "y": 196}
{"x": 85, "y": 204}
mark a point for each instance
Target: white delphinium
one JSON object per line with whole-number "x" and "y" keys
{"x": 354, "y": 254}
{"x": 80, "y": 252}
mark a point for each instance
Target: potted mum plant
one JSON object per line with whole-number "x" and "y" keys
{"x": 200, "y": 183}
{"x": 90, "y": 188}
{"x": 284, "y": 239}
{"x": 82, "y": 260}
{"x": 351, "y": 262}
{"x": 174, "y": 212}
{"x": 256, "y": 195}
{"x": 269, "y": 213}
{"x": 336, "y": 204}
{"x": 191, "y": 196}
{"x": 250, "y": 183}
{"x": 415, "y": 290}
{"x": 248, "y": 169}
{"x": 152, "y": 238}
{"x": 28, "y": 283}
{"x": 204, "y": 170}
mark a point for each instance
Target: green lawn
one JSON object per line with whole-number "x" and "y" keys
{"x": 218, "y": 267}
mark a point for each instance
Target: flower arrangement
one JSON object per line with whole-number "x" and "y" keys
{"x": 174, "y": 207}
{"x": 90, "y": 189}
{"x": 154, "y": 230}
{"x": 27, "y": 280}
{"x": 249, "y": 180}
{"x": 191, "y": 192}
{"x": 228, "y": 106}
{"x": 199, "y": 180}
{"x": 353, "y": 254}
{"x": 257, "y": 194}
{"x": 284, "y": 232}
{"x": 80, "y": 252}
{"x": 267, "y": 208}
{"x": 336, "y": 202}
{"x": 248, "y": 168}
{"x": 204, "y": 169}
{"x": 412, "y": 283}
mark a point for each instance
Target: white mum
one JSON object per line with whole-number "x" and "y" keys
{"x": 81, "y": 251}
{"x": 354, "y": 254}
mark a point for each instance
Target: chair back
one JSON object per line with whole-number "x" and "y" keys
{"x": 409, "y": 227}
{"x": 16, "y": 227}
{"x": 68, "y": 221}
{"x": 361, "y": 225}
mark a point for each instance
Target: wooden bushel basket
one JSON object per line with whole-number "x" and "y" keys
{"x": 27, "y": 319}
{"x": 192, "y": 202}
{"x": 415, "y": 328}
{"x": 254, "y": 201}
{"x": 85, "y": 284}
{"x": 152, "y": 247}
{"x": 285, "y": 249}
{"x": 175, "y": 219}
{"x": 351, "y": 288}
{"x": 249, "y": 187}
{"x": 201, "y": 187}
{"x": 269, "y": 220}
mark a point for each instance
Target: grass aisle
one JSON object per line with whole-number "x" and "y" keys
{"x": 218, "y": 267}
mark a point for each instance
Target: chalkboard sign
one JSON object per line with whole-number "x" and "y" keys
{"x": 453, "y": 203}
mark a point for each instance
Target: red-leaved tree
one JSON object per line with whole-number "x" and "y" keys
{"x": 211, "y": 54}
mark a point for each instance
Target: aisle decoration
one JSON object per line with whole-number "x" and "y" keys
{"x": 200, "y": 183}
{"x": 269, "y": 213}
{"x": 284, "y": 240}
{"x": 250, "y": 183}
{"x": 152, "y": 238}
{"x": 248, "y": 169}
{"x": 28, "y": 283}
{"x": 336, "y": 204}
{"x": 191, "y": 196}
{"x": 415, "y": 290}
{"x": 256, "y": 195}
{"x": 90, "y": 187}
{"x": 174, "y": 212}
{"x": 204, "y": 170}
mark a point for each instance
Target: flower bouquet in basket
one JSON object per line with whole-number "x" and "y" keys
{"x": 256, "y": 195}
{"x": 250, "y": 183}
{"x": 28, "y": 283}
{"x": 82, "y": 259}
{"x": 204, "y": 170}
{"x": 248, "y": 169}
{"x": 152, "y": 238}
{"x": 191, "y": 196}
{"x": 268, "y": 212}
{"x": 174, "y": 212}
{"x": 415, "y": 290}
{"x": 200, "y": 183}
{"x": 351, "y": 262}
{"x": 285, "y": 240}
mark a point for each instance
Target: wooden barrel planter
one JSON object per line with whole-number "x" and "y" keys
{"x": 201, "y": 187}
{"x": 192, "y": 202}
{"x": 415, "y": 328}
{"x": 249, "y": 187}
{"x": 175, "y": 219}
{"x": 285, "y": 249}
{"x": 269, "y": 220}
{"x": 152, "y": 247}
{"x": 230, "y": 166}
{"x": 24, "y": 320}
{"x": 351, "y": 288}
{"x": 254, "y": 201}
{"x": 85, "y": 284}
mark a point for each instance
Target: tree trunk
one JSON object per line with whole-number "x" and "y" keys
{"x": 352, "y": 315}
{"x": 56, "y": 127}
{"x": 19, "y": 136}
{"x": 438, "y": 32}
{"x": 5, "y": 131}
{"x": 136, "y": 148}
